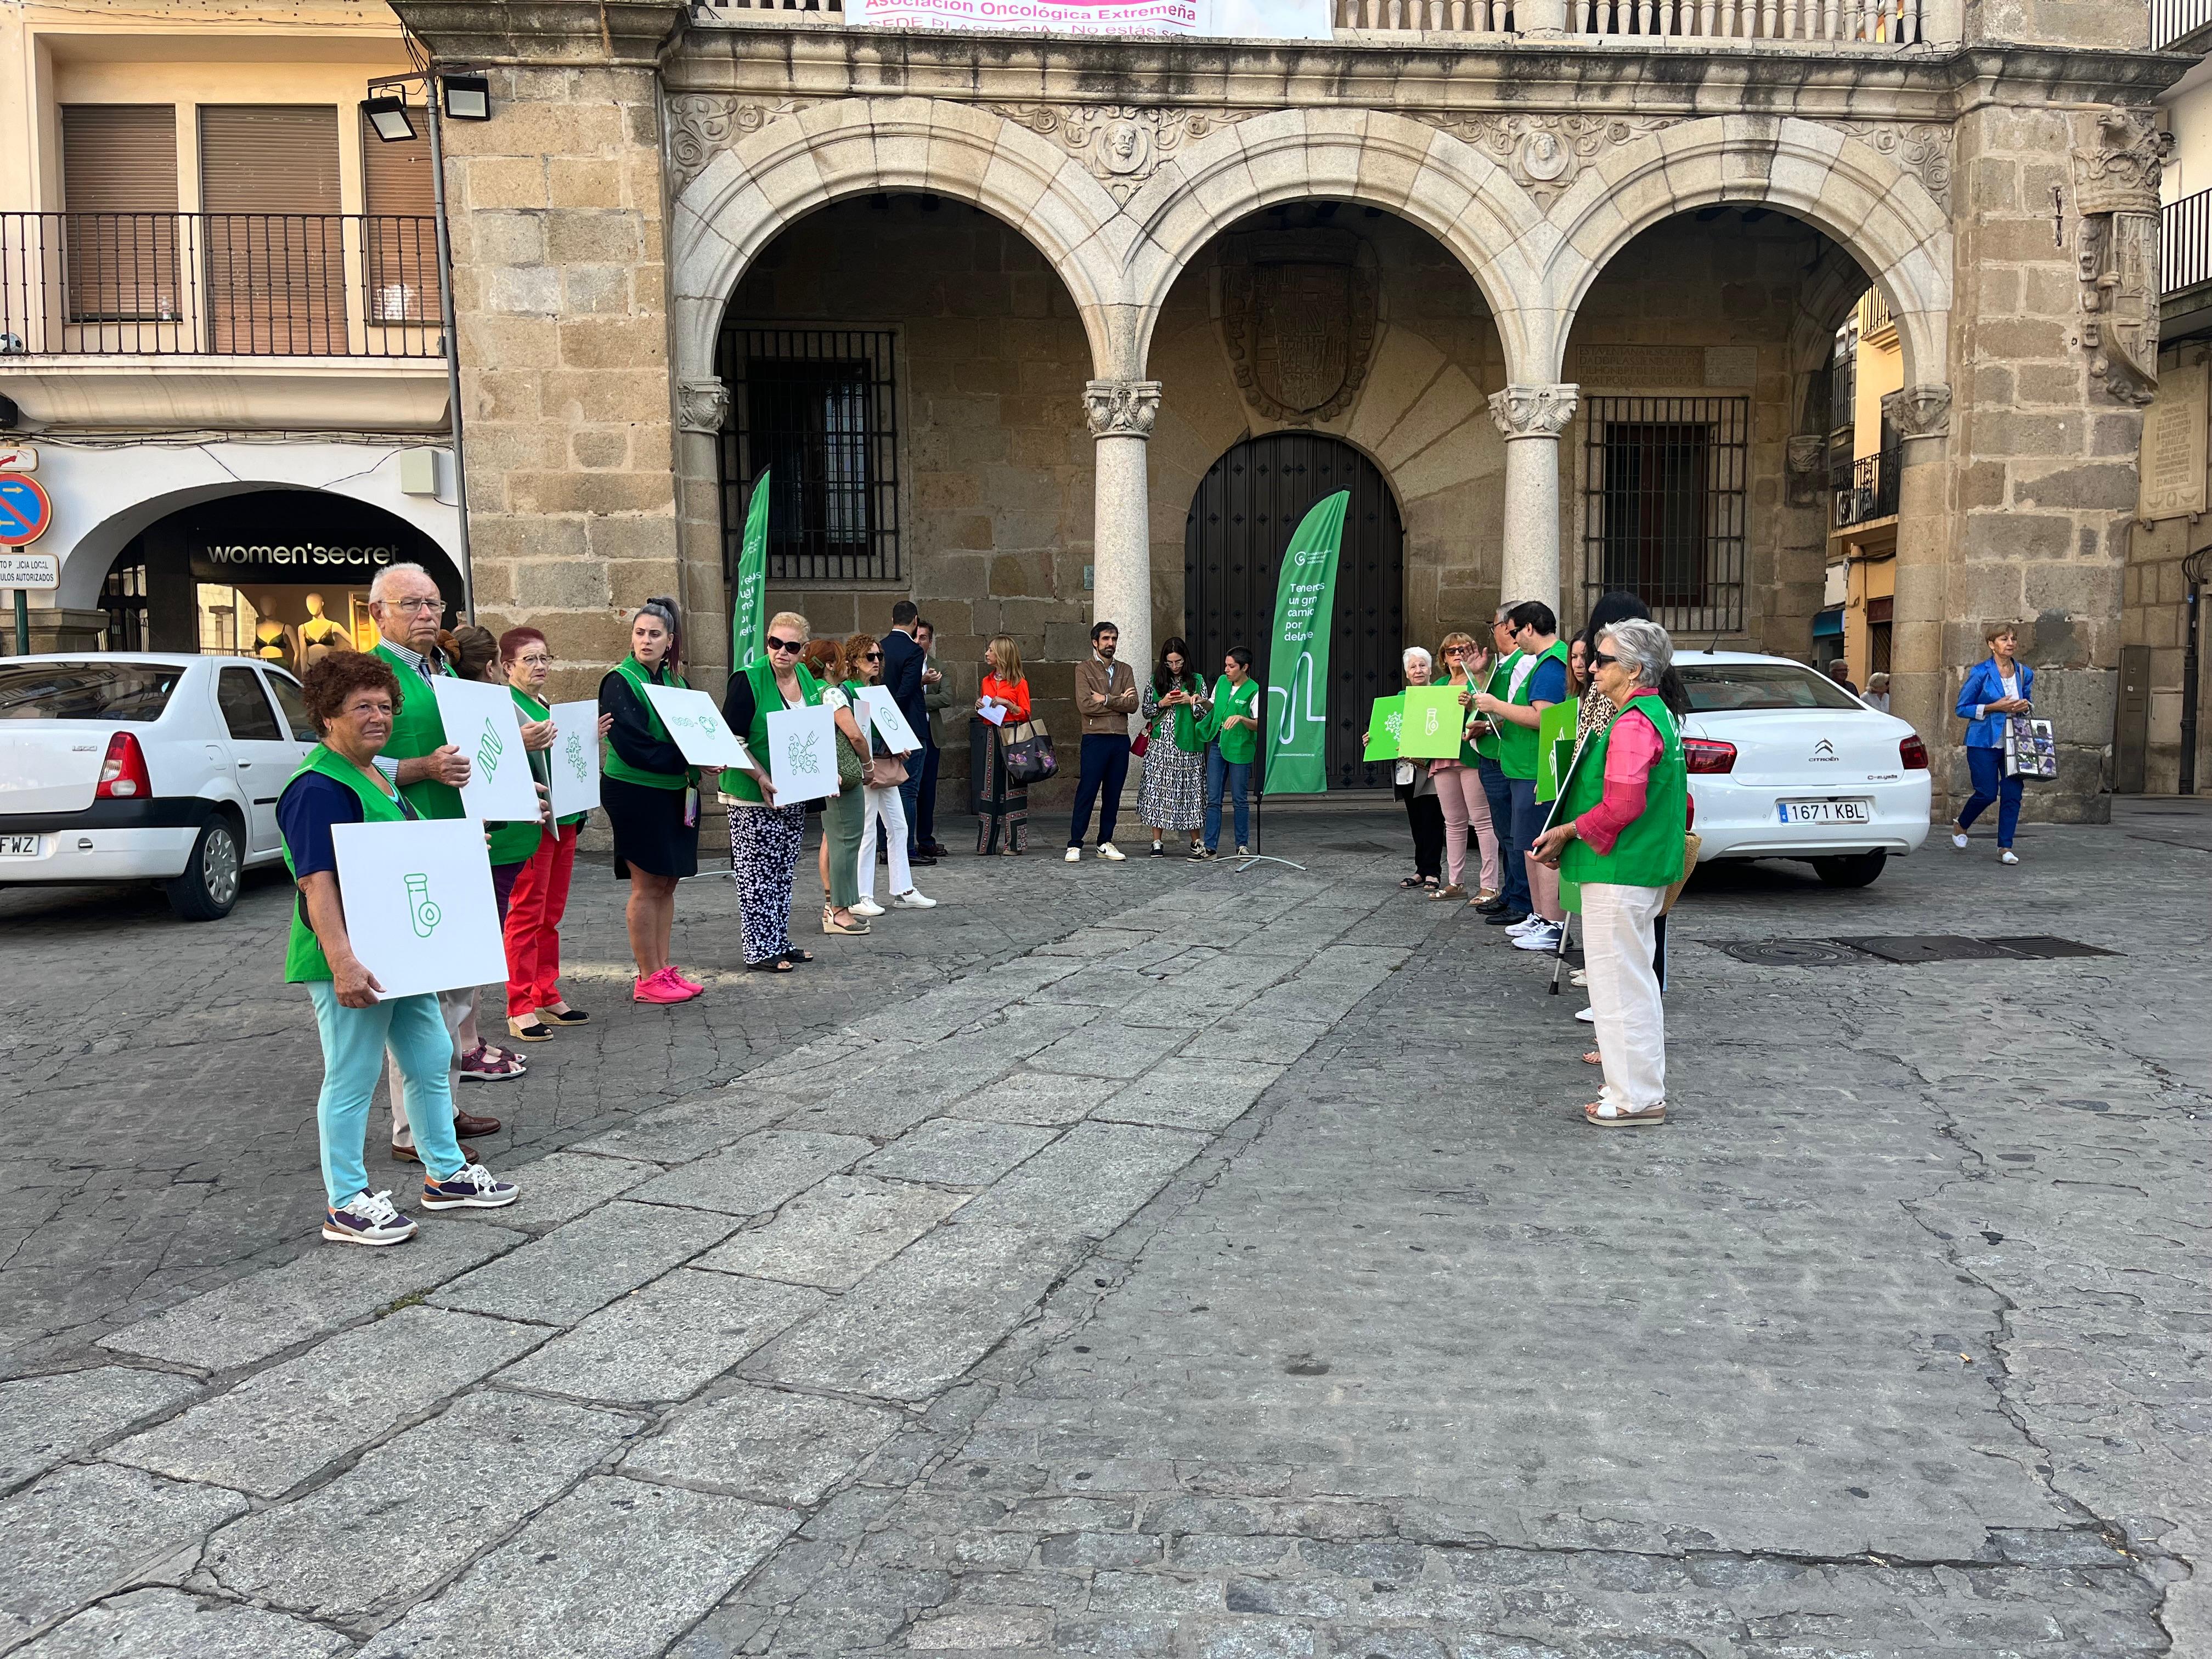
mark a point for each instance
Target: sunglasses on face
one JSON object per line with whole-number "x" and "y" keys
{"x": 871, "y": 656}
{"x": 1603, "y": 660}
{"x": 776, "y": 644}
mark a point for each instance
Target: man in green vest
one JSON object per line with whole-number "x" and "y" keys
{"x": 1621, "y": 830}
{"x": 1538, "y": 679}
{"x": 406, "y": 605}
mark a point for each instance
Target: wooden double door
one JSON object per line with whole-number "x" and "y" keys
{"x": 1241, "y": 519}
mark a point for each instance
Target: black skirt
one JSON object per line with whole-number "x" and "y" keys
{"x": 649, "y": 830}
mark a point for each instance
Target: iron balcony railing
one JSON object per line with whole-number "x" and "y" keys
{"x": 219, "y": 284}
{"x": 1870, "y": 492}
{"x": 2174, "y": 21}
{"x": 2184, "y": 242}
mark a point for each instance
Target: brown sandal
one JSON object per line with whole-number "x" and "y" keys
{"x": 1603, "y": 1115}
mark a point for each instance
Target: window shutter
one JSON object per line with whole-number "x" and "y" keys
{"x": 396, "y": 178}
{"x": 402, "y": 243}
{"x": 119, "y": 158}
{"x": 273, "y": 241}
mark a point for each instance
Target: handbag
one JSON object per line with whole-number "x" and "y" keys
{"x": 1141, "y": 743}
{"x": 1030, "y": 758}
{"x": 2031, "y": 750}
{"x": 890, "y": 772}
{"x": 848, "y": 763}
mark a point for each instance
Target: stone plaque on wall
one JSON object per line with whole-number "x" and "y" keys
{"x": 2171, "y": 476}
{"x": 1731, "y": 365}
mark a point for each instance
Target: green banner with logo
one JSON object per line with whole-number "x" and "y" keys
{"x": 1298, "y": 666}
{"x": 749, "y": 600}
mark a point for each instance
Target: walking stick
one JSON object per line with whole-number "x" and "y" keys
{"x": 1559, "y": 957}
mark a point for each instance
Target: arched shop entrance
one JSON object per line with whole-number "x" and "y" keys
{"x": 274, "y": 574}
{"x": 1241, "y": 519}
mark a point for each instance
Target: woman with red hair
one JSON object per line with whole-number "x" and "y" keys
{"x": 540, "y": 896}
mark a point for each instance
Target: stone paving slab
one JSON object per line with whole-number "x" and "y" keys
{"x": 1108, "y": 1049}
{"x": 616, "y": 1569}
{"x": 561, "y": 1187}
{"x": 281, "y": 1426}
{"x": 1090, "y": 1181}
{"x": 414, "y": 1509}
{"x": 45, "y": 1419}
{"x": 1181, "y": 1093}
{"x": 1026, "y": 1097}
{"x": 954, "y": 1152}
{"x": 775, "y": 1448}
{"x": 84, "y": 1531}
{"x": 758, "y": 1173}
{"x": 686, "y": 1129}
{"x": 564, "y": 1276}
{"x": 836, "y": 1234}
{"x": 664, "y": 1341}
{"x": 160, "y": 1624}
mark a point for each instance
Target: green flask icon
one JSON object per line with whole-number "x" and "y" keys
{"x": 425, "y": 914}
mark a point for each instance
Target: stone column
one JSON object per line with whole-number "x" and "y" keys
{"x": 1532, "y": 417}
{"x": 1919, "y": 680}
{"x": 703, "y": 411}
{"x": 1121, "y": 413}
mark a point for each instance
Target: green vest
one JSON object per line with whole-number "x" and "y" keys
{"x": 1517, "y": 753}
{"x": 417, "y": 729}
{"x": 739, "y": 786}
{"x": 1649, "y": 851}
{"x": 1501, "y": 674}
{"x": 1190, "y": 732}
{"x": 541, "y": 760}
{"x": 1239, "y": 744}
{"x": 303, "y": 951}
{"x": 612, "y": 765}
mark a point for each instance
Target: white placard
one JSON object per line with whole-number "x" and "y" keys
{"x": 993, "y": 712}
{"x": 1265, "y": 20}
{"x": 802, "y": 753}
{"x": 698, "y": 726}
{"x": 573, "y": 762}
{"x": 418, "y": 904}
{"x": 883, "y": 715}
{"x": 481, "y": 721}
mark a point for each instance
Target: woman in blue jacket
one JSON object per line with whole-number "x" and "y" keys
{"x": 1995, "y": 687}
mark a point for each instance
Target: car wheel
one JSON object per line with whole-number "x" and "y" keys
{"x": 1858, "y": 870}
{"x": 209, "y": 887}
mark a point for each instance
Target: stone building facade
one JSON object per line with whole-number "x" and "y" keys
{"x": 1526, "y": 278}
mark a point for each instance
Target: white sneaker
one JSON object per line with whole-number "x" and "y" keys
{"x": 1588, "y": 1016}
{"x": 1244, "y": 852}
{"x": 1074, "y": 855}
{"x": 1109, "y": 851}
{"x": 1544, "y": 937}
{"x": 366, "y": 1219}
{"x": 1515, "y": 929}
{"x": 1578, "y": 978}
{"x": 2005, "y": 855}
{"x": 1959, "y": 841}
{"x": 912, "y": 900}
{"x": 866, "y": 908}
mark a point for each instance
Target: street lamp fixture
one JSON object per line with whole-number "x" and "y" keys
{"x": 387, "y": 118}
{"x": 468, "y": 97}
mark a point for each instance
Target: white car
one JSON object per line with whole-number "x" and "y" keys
{"x": 146, "y": 767}
{"x": 1785, "y": 763}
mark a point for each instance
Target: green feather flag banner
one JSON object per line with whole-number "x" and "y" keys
{"x": 1298, "y": 666}
{"x": 749, "y": 602}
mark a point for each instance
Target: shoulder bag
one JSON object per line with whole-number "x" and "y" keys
{"x": 1030, "y": 758}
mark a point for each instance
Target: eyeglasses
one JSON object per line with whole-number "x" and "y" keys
{"x": 776, "y": 644}
{"x": 408, "y": 607}
{"x": 535, "y": 660}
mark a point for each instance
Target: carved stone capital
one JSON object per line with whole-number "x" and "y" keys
{"x": 1808, "y": 463}
{"x": 1533, "y": 411}
{"x": 2117, "y": 162}
{"x": 1919, "y": 411}
{"x": 1122, "y": 409}
{"x": 702, "y": 405}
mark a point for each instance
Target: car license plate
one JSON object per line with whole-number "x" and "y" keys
{"x": 1825, "y": 811}
{"x": 19, "y": 847}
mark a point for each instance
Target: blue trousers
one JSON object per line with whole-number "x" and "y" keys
{"x": 353, "y": 1042}
{"x": 910, "y": 798}
{"x": 1236, "y": 776}
{"x": 1105, "y": 767}
{"x": 922, "y": 811}
{"x": 1500, "y": 798}
{"x": 1527, "y": 820}
{"x": 1992, "y": 788}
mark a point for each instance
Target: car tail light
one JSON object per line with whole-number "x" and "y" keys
{"x": 1709, "y": 754}
{"x": 1691, "y": 822}
{"x": 1913, "y": 753}
{"x": 123, "y": 774}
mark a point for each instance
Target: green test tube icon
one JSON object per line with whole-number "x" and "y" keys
{"x": 421, "y": 910}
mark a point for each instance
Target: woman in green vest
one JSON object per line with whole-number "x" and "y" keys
{"x": 352, "y": 698}
{"x": 651, "y": 797}
{"x": 1620, "y": 834}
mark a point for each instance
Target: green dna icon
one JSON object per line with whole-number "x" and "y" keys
{"x": 489, "y": 748}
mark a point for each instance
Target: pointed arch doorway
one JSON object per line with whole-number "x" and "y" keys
{"x": 1240, "y": 520}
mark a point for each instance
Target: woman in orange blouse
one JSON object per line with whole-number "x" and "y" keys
{"x": 1001, "y": 803}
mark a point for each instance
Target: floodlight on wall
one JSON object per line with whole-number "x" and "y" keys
{"x": 468, "y": 97}
{"x": 387, "y": 118}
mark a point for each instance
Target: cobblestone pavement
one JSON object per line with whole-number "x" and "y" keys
{"x": 1157, "y": 1260}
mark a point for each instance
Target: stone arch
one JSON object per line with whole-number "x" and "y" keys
{"x": 792, "y": 163}
{"x": 1426, "y": 176}
{"x": 1877, "y": 210}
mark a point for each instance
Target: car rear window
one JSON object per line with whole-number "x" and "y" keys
{"x": 86, "y": 690}
{"x": 1717, "y": 688}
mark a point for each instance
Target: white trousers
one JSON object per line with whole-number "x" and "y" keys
{"x": 454, "y": 1006}
{"x": 1624, "y": 992}
{"x": 884, "y": 808}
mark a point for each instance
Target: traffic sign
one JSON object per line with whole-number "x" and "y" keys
{"x": 25, "y": 514}
{"x": 21, "y": 569}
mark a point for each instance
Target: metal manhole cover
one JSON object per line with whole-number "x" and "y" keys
{"x": 2043, "y": 946}
{"x": 1786, "y": 952}
{"x": 1923, "y": 947}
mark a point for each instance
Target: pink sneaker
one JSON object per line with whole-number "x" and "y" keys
{"x": 657, "y": 987}
{"x": 683, "y": 979}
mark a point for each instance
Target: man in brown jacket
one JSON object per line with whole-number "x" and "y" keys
{"x": 1105, "y": 697}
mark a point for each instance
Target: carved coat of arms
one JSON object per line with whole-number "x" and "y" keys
{"x": 1298, "y": 320}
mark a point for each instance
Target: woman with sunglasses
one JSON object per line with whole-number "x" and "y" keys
{"x": 651, "y": 797}
{"x": 882, "y": 807}
{"x": 1459, "y": 784}
{"x": 765, "y": 837}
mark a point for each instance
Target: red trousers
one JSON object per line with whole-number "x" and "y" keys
{"x": 533, "y": 925}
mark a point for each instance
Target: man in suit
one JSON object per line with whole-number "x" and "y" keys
{"x": 936, "y": 699}
{"x": 904, "y": 661}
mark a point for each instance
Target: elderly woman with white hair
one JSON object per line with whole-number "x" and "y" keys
{"x": 1414, "y": 786}
{"x": 1620, "y": 831}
